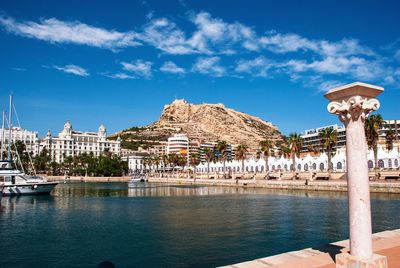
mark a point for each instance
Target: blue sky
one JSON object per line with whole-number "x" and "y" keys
{"x": 119, "y": 62}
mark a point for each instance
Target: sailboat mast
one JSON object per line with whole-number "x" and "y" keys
{"x": 10, "y": 129}
{"x": 2, "y": 135}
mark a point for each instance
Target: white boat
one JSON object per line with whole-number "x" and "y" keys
{"x": 16, "y": 182}
{"x": 138, "y": 178}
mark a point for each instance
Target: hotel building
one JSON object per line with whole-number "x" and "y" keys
{"x": 72, "y": 143}
{"x": 29, "y": 138}
{"x": 178, "y": 144}
{"x": 311, "y": 137}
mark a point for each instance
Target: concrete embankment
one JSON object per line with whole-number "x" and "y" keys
{"x": 87, "y": 179}
{"x": 385, "y": 243}
{"x": 307, "y": 185}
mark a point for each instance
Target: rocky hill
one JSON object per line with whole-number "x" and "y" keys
{"x": 205, "y": 122}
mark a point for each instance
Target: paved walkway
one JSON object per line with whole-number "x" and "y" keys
{"x": 384, "y": 243}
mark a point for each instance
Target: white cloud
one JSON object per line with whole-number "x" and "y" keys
{"x": 72, "y": 69}
{"x": 75, "y": 32}
{"x": 170, "y": 67}
{"x": 209, "y": 66}
{"x": 215, "y": 34}
{"x": 138, "y": 67}
{"x": 165, "y": 36}
{"x": 122, "y": 76}
{"x": 19, "y": 69}
{"x": 283, "y": 43}
{"x": 256, "y": 67}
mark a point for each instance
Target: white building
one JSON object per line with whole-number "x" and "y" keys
{"x": 178, "y": 144}
{"x": 386, "y": 160}
{"x": 135, "y": 163}
{"x": 311, "y": 137}
{"x": 71, "y": 143}
{"x": 29, "y": 138}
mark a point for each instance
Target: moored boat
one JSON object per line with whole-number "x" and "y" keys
{"x": 16, "y": 182}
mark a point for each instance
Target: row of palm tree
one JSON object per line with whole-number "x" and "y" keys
{"x": 290, "y": 147}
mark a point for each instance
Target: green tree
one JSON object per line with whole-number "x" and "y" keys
{"x": 209, "y": 156}
{"x": 390, "y": 136}
{"x": 329, "y": 140}
{"x": 266, "y": 147}
{"x": 372, "y": 126}
{"x": 222, "y": 147}
{"x": 295, "y": 142}
{"x": 241, "y": 153}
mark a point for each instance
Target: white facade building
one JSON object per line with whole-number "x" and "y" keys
{"x": 71, "y": 143}
{"x": 135, "y": 163}
{"x": 178, "y": 144}
{"x": 387, "y": 160}
{"x": 29, "y": 138}
{"x": 311, "y": 137}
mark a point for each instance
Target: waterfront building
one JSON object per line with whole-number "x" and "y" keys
{"x": 178, "y": 144}
{"x": 71, "y": 143}
{"x": 29, "y": 138}
{"x": 386, "y": 160}
{"x": 135, "y": 162}
{"x": 311, "y": 137}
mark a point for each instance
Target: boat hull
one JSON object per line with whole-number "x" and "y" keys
{"x": 29, "y": 188}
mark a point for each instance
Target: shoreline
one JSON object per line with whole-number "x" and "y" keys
{"x": 304, "y": 185}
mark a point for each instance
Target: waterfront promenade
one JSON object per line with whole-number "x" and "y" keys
{"x": 338, "y": 184}
{"x": 381, "y": 186}
{"x": 385, "y": 243}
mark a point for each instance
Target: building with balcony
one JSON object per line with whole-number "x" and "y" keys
{"x": 70, "y": 142}
{"x": 29, "y": 138}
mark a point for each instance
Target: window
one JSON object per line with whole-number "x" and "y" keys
{"x": 370, "y": 164}
{"x": 381, "y": 164}
{"x": 321, "y": 166}
{"x": 298, "y": 167}
{"x": 390, "y": 163}
{"x": 339, "y": 165}
{"x": 396, "y": 163}
{"x": 314, "y": 166}
{"x": 305, "y": 167}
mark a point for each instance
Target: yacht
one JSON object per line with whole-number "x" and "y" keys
{"x": 16, "y": 182}
{"x": 137, "y": 178}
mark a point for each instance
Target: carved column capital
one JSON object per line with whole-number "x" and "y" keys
{"x": 353, "y": 109}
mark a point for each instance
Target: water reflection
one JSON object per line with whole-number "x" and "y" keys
{"x": 159, "y": 225}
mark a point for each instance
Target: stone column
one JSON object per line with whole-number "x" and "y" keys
{"x": 353, "y": 103}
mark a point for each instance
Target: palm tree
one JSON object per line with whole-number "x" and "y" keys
{"x": 313, "y": 149}
{"x": 328, "y": 141}
{"x": 165, "y": 161}
{"x": 266, "y": 147}
{"x": 295, "y": 142}
{"x": 389, "y": 139}
{"x": 371, "y": 127}
{"x": 284, "y": 150}
{"x": 194, "y": 160}
{"x": 210, "y": 156}
{"x": 156, "y": 160}
{"x": 222, "y": 147}
{"x": 240, "y": 154}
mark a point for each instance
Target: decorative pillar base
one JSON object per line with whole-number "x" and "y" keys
{"x": 345, "y": 260}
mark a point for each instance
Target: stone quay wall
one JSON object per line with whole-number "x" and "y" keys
{"x": 306, "y": 185}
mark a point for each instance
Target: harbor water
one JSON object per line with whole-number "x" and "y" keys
{"x": 159, "y": 225}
